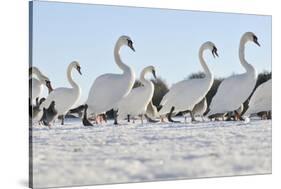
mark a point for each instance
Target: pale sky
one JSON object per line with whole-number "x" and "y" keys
{"x": 167, "y": 39}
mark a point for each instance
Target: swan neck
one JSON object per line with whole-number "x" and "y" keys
{"x": 117, "y": 58}
{"x": 142, "y": 78}
{"x": 248, "y": 67}
{"x": 207, "y": 71}
{"x": 69, "y": 77}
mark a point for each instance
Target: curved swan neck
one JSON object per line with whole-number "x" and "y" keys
{"x": 144, "y": 81}
{"x": 69, "y": 76}
{"x": 203, "y": 63}
{"x": 248, "y": 67}
{"x": 117, "y": 57}
{"x": 142, "y": 77}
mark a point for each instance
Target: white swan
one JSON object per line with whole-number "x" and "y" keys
{"x": 200, "y": 108}
{"x": 136, "y": 102}
{"x": 261, "y": 99}
{"x": 235, "y": 90}
{"x": 184, "y": 95}
{"x": 64, "y": 97}
{"x": 37, "y": 84}
{"x": 109, "y": 89}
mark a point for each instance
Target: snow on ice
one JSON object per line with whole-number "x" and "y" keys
{"x": 76, "y": 155}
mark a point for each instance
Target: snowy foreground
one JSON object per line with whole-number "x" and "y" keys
{"x": 76, "y": 155}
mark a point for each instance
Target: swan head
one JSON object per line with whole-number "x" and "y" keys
{"x": 150, "y": 69}
{"x": 49, "y": 85}
{"x": 153, "y": 72}
{"x": 77, "y": 66}
{"x": 126, "y": 40}
{"x": 212, "y": 47}
{"x": 41, "y": 100}
{"x": 46, "y": 81}
{"x": 43, "y": 79}
{"x": 250, "y": 36}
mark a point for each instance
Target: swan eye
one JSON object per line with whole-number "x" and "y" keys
{"x": 215, "y": 51}
{"x": 79, "y": 69}
{"x": 255, "y": 39}
{"x": 130, "y": 44}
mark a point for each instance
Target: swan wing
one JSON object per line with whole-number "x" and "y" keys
{"x": 135, "y": 103}
{"x": 261, "y": 99}
{"x": 186, "y": 94}
{"x": 65, "y": 99}
{"x": 107, "y": 90}
{"x": 232, "y": 92}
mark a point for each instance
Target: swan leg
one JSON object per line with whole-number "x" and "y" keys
{"x": 62, "y": 119}
{"x": 115, "y": 117}
{"x": 128, "y": 117}
{"x": 169, "y": 116}
{"x": 192, "y": 116}
{"x": 104, "y": 118}
{"x": 85, "y": 120}
{"x": 100, "y": 119}
{"x": 202, "y": 118}
{"x": 238, "y": 116}
{"x": 141, "y": 116}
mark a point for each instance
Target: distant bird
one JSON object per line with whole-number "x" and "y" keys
{"x": 235, "y": 90}
{"x": 184, "y": 95}
{"x": 37, "y": 83}
{"x": 261, "y": 99}
{"x": 49, "y": 114}
{"x": 136, "y": 102}
{"x": 109, "y": 89}
{"x": 85, "y": 121}
{"x": 200, "y": 108}
{"x": 64, "y": 97}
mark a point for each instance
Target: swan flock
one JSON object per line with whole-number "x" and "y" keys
{"x": 116, "y": 92}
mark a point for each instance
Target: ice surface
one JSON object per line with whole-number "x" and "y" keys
{"x": 76, "y": 155}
